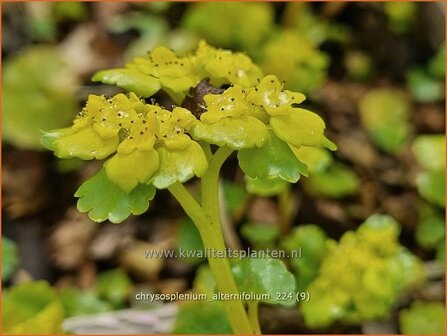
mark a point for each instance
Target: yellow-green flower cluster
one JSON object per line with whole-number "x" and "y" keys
{"x": 163, "y": 69}
{"x": 242, "y": 117}
{"x": 142, "y": 136}
{"x": 362, "y": 275}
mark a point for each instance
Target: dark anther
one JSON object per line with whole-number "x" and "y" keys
{"x": 141, "y": 133}
{"x": 144, "y": 121}
{"x": 256, "y": 89}
{"x": 232, "y": 99}
{"x": 272, "y": 81}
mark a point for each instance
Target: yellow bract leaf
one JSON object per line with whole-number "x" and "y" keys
{"x": 127, "y": 170}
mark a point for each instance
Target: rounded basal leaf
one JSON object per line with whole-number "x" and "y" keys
{"x": 236, "y": 133}
{"x": 429, "y": 151}
{"x": 299, "y": 128}
{"x": 179, "y": 165}
{"x": 32, "y": 308}
{"x": 104, "y": 200}
{"x": 130, "y": 80}
{"x": 265, "y": 276}
{"x": 273, "y": 160}
{"x": 127, "y": 170}
{"x": 265, "y": 187}
{"x": 85, "y": 144}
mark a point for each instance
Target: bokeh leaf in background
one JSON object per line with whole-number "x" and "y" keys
{"x": 336, "y": 181}
{"x": 114, "y": 286}
{"x": 384, "y": 113}
{"x": 77, "y": 302}
{"x": 32, "y": 308}
{"x": 260, "y": 235}
{"x": 10, "y": 258}
{"x": 423, "y": 318}
{"x": 265, "y": 276}
{"x": 188, "y": 239}
{"x": 201, "y": 317}
{"x": 38, "y": 94}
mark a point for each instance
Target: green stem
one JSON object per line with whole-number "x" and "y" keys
{"x": 220, "y": 267}
{"x": 253, "y": 316}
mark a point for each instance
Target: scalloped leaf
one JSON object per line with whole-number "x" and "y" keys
{"x": 130, "y": 80}
{"x": 236, "y": 132}
{"x": 273, "y": 160}
{"x": 264, "y": 276}
{"x": 32, "y": 308}
{"x": 104, "y": 200}
{"x": 179, "y": 165}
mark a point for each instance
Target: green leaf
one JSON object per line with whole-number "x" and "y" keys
{"x": 265, "y": 187}
{"x": 235, "y": 196}
{"x": 384, "y": 113}
{"x": 78, "y": 303}
{"x": 429, "y": 151}
{"x": 273, "y": 160}
{"x": 423, "y": 318}
{"x": 202, "y": 317}
{"x": 32, "y": 308}
{"x": 204, "y": 280}
{"x": 440, "y": 252}
{"x": 114, "y": 286}
{"x": 179, "y": 165}
{"x": 10, "y": 258}
{"x": 431, "y": 186}
{"x": 188, "y": 239}
{"x": 130, "y": 80}
{"x": 335, "y": 182}
{"x": 312, "y": 241}
{"x": 37, "y": 94}
{"x": 436, "y": 66}
{"x": 265, "y": 276}
{"x": 430, "y": 231}
{"x": 425, "y": 88}
{"x": 103, "y": 199}
{"x": 260, "y": 234}
{"x": 236, "y": 132}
